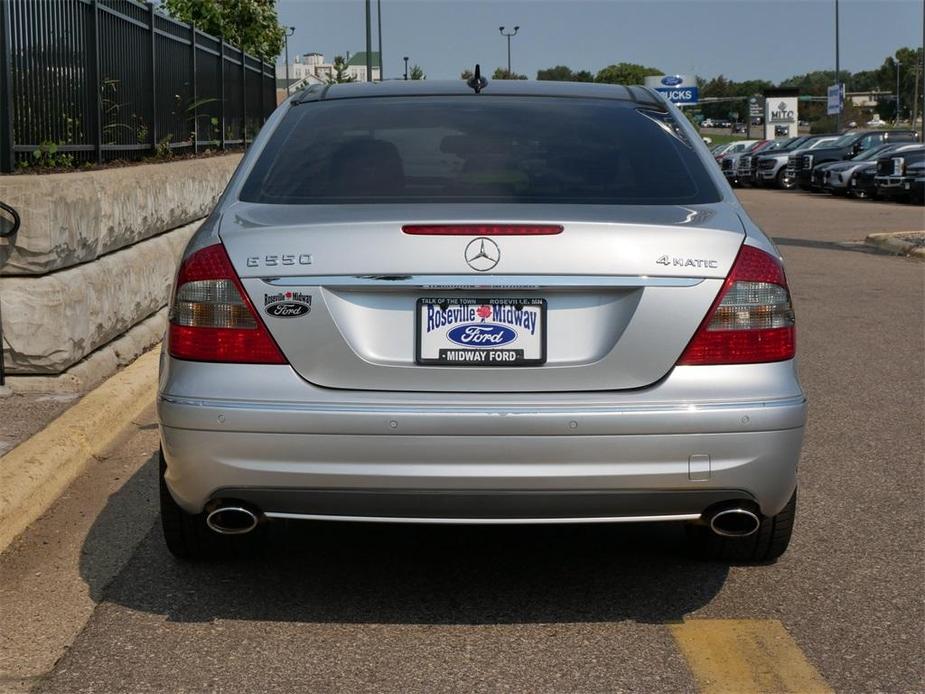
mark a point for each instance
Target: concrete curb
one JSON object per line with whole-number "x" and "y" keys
{"x": 890, "y": 242}
{"x": 34, "y": 474}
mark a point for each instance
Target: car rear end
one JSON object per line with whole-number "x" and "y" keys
{"x": 533, "y": 304}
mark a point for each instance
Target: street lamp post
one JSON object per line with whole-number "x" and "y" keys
{"x": 897, "y": 92}
{"x": 289, "y": 32}
{"x": 379, "y": 16}
{"x": 369, "y": 42}
{"x": 508, "y": 36}
{"x": 406, "y": 66}
{"x": 837, "y": 72}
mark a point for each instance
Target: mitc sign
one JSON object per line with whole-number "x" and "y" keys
{"x": 678, "y": 89}
{"x": 780, "y": 113}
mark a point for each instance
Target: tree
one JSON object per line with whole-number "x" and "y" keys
{"x": 910, "y": 71}
{"x": 416, "y": 73}
{"x": 563, "y": 73}
{"x": 501, "y": 73}
{"x": 721, "y": 87}
{"x": 626, "y": 73}
{"x": 340, "y": 71}
{"x": 249, "y": 24}
{"x": 559, "y": 73}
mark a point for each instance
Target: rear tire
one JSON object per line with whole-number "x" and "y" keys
{"x": 187, "y": 535}
{"x": 765, "y": 545}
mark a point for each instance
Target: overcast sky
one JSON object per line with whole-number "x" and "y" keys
{"x": 742, "y": 39}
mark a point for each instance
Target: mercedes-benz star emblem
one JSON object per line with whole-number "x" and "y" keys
{"x": 482, "y": 254}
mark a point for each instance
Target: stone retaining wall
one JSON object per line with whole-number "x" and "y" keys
{"x": 96, "y": 255}
{"x": 74, "y": 218}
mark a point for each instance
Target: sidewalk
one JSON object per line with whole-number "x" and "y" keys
{"x": 51, "y": 440}
{"x": 24, "y": 415}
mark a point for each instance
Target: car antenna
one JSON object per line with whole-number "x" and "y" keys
{"x": 477, "y": 82}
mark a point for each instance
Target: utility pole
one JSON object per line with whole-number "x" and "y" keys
{"x": 379, "y": 18}
{"x": 289, "y": 32}
{"x": 406, "y": 66}
{"x": 508, "y": 36}
{"x": 896, "y": 121}
{"x": 837, "y": 73}
{"x": 369, "y": 41}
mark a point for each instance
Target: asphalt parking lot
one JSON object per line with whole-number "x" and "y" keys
{"x": 90, "y": 600}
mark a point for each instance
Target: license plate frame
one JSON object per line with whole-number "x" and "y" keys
{"x": 500, "y": 357}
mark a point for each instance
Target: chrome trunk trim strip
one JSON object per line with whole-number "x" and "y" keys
{"x": 482, "y": 281}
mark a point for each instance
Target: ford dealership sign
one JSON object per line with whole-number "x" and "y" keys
{"x": 678, "y": 89}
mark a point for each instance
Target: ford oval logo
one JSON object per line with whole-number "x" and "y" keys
{"x": 671, "y": 80}
{"x": 482, "y": 335}
{"x": 288, "y": 309}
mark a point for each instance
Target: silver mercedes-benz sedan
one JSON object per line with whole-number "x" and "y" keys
{"x": 451, "y": 302}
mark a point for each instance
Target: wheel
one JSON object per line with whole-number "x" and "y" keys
{"x": 782, "y": 181}
{"x": 764, "y": 545}
{"x": 187, "y": 535}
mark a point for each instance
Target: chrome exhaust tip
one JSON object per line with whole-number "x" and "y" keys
{"x": 232, "y": 520}
{"x": 734, "y": 522}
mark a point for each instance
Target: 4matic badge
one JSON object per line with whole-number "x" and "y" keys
{"x": 687, "y": 262}
{"x": 287, "y": 304}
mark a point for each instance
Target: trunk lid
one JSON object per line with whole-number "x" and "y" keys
{"x": 625, "y": 288}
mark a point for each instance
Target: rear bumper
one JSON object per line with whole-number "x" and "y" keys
{"x": 664, "y": 450}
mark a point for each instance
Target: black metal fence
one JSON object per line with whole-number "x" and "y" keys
{"x": 95, "y": 80}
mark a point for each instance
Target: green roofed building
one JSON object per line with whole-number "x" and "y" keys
{"x": 312, "y": 68}
{"x": 356, "y": 66}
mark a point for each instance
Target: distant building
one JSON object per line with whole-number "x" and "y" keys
{"x": 311, "y": 68}
{"x": 869, "y": 99}
{"x": 356, "y": 66}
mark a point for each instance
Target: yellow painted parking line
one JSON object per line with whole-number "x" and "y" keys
{"x": 740, "y": 656}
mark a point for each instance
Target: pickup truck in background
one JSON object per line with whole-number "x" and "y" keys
{"x": 847, "y": 146}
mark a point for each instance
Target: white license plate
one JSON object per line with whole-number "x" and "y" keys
{"x": 481, "y": 332}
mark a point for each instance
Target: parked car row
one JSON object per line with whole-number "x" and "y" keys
{"x": 865, "y": 164}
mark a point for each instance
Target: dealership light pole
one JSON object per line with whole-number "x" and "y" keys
{"x": 406, "y": 66}
{"x": 896, "y": 121}
{"x": 379, "y": 19}
{"x": 369, "y": 41}
{"x": 508, "y": 36}
{"x": 286, "y": 34}
{"x": 837, "y": 73}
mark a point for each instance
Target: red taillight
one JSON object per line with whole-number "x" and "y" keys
{"x": 211, "y": 317}
{"x": 751, "y": 319}
{"x": 482, "y": 229}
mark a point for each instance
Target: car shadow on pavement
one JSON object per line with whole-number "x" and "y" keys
{"x": 407, "y": 574}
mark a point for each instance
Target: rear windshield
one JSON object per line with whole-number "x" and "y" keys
{"x": 478, "y": 149}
